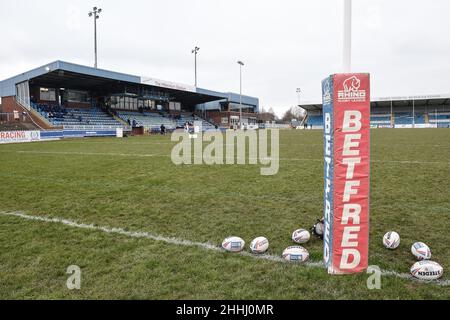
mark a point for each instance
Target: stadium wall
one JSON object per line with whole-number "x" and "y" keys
{"x": 9, "y": 105}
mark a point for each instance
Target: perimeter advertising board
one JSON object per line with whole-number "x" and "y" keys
{"x": 19, "y": 136}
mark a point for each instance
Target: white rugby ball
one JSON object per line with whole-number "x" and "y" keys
{"x": 259, "y": 245}
{"x": 319, "y": 228}
{"x": 391, "y": 240}
{"x": 427, "y": 270}
{"x": 301, "y": 236}
{"x": 233, "y": 244}
{"x": 421, "y": 251}
{"x": 295, "y": 254}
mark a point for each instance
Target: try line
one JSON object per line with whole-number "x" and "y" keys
{"x": 164, "y": 155}
{"x": 176, "y": 241}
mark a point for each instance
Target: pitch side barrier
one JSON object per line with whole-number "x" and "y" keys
{"x": 35, "y": 136}
{"x": 346, "y": 112}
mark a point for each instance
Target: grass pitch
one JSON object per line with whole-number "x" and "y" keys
{"x": 132, "y": 184}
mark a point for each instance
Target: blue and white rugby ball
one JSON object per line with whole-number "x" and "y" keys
{"x": 295, "y": 254}
{"x": 301, "y": 236}
{"x": 259, "y": 245}
{"x": 421, "y": 251}
{"x": 391, "y": 240}
{"x": 233, "y": 244}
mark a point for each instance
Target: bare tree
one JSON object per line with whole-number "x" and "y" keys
{"x": 264, "y": 115}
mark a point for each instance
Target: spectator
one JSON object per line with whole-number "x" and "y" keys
{"x": 163, "y": 129}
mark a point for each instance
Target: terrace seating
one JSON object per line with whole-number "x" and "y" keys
{"x": 439, "y": 118}
{"x": 190, "y": 118}
{"x": 152, "y": 121}
{"x": 76, "y": 117}
{"x": 406, "y": 118}
{"x": 419, "y": 119}
{"x": 315, "y": 121}
{"x": 403, "y": 118}
{"x": 380, "y": 119}
{"x": 149, "y": 120}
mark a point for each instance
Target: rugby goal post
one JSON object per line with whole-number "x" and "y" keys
{"x": 346, "y": 112}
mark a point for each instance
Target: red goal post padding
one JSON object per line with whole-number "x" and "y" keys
{"x": 346, "y": 108}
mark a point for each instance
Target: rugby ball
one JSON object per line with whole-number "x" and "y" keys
{"x": 391, "y": 240}
{"x": 427, "y": 270}
{"x": 233, "y": 244}
{"x": 301, "y": 236}
{"x": 295, "y": 254}
{"x": 318, "y": 228}
{"x": 259, "y": 245}
{"x": 421, "y": 251}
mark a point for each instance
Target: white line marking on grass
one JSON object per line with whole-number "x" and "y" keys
{"x": 188, "y": 243}
{"x": 95, "y": 153}
{"x": 147, "y": 235}
{"x": 164, "y": 156}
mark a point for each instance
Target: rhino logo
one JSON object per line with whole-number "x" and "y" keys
{"x": 352, "y": 84}
{"x": 352, "y": 90}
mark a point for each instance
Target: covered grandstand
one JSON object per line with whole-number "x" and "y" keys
{"x": 431, "y": 111}
{"x": 67, "y": 96}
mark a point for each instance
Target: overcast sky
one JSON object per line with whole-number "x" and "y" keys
{"x": 404, "y": 44}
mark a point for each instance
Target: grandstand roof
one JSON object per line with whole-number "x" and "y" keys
{"x": 74, "y": 76}
{"x": 406, "y": 101}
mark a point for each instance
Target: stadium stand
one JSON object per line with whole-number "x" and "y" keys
{"x": 76, "y": 117}
{"x": 189, "y": 117}
{"x": 419, "y": 119}
{"x": 403, "y": 118}
{"x": 151, "y": 121}
{"x": 315, "y": 120}
{"x": 68, "y": 96}
{"x": 441, "y": 119}
{"x": 427, "y": 111}
{"x": 380, "y": 119}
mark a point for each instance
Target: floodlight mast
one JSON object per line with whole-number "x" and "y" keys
{"x": 299, "y": 91}
{"x": 241, "y": 64}
{"x": 347, "y": 44}
{"x": 195, "y": 52}
{"x": 95, "y": 14}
